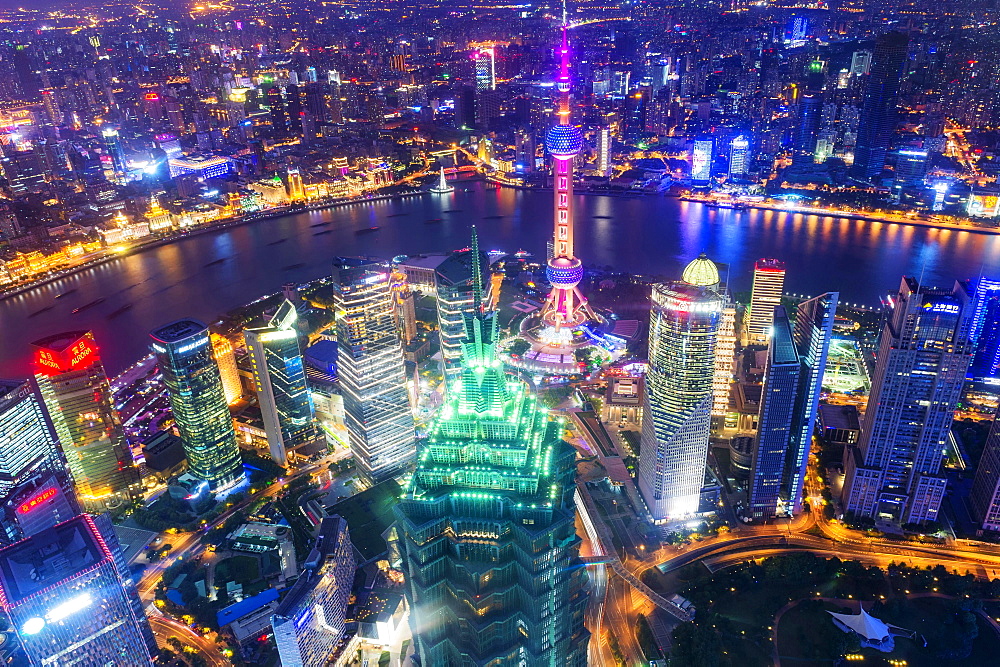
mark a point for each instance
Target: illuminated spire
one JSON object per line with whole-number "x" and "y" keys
{"x": 477, "y": 273}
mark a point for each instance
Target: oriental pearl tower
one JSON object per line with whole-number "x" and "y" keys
{"x": 565, "y": 305}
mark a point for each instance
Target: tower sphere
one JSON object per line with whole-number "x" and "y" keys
{"x": 564, "y": 141}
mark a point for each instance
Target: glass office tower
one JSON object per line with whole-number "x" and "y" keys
{"x": 924, "y": 352}
{"x": 490, "y": 549}
{"x": 877, "y": 120}
{"x": 371, "y": 369}
{"x": 68, "y": 601}
{"x": 280, "y": 376}
{"x": 78, "y": 396}
{"x": 774, "y": 429}
{"x": 28, "y": 443}
{"x": 184, "y": 352}
{"x": 683, "y": 327}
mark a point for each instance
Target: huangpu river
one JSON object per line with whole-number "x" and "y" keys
{"x": 205, "y": 275}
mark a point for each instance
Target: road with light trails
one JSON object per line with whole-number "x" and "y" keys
{"x": 164, "y": 627}
{"x": 786, "y": 536}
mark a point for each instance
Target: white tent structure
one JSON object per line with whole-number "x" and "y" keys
{"x": 871, "y": 631}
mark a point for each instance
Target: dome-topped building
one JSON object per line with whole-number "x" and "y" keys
{"x": 701, "y": 272}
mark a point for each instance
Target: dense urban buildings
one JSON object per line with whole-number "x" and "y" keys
{"x": 370, "y": 367}
{"x": 490, "y": 458}
{"x": 73, "y": 383}
{"x": 677, "y": 415}
{"x": 487, "y": 523}
{"x": 197, "y": 400}
{"x": 924, "y": 351}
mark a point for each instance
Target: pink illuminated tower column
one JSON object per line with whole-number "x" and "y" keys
{"x": 565, "y": 305}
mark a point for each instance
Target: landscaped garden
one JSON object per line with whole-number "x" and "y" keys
{"x": 737, "y": 608}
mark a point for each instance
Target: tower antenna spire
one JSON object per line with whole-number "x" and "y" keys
{"x": 477, "y": 274}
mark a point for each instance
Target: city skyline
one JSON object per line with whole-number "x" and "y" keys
{"x": 659, "y": 333}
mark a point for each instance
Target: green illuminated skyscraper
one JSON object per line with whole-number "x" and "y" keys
{"x": 487, "y": 524}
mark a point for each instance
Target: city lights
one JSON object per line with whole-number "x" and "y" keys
{"x": 724, "y": 387}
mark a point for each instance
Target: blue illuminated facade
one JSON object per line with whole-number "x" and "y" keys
{"x": 986, "y": 331}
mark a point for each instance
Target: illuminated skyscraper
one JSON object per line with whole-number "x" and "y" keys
{"x": 296, "y": 191}
{"x": 604, "y": 151}
{"x": 68, "y": 600}
{"x": 774, "y": 430}
{"x": 73, "y": 383}
{"x": 565, "y": 306}
{"x": 371, "y": 370}
{"x": 924, "y": 352}
{"x": 184, "y": 353}
{"x": 768, "y": 288}
{"x": 810, "y": 111}
{"x": 739, "y": 156}
{"x": 984, "y": 499}
{"x": 792, "y": 384}
{"x": 280, "y": 376}
{"x": 486, "y": 69}
{"x": 309, "y": 622}
{"x": 113, "y": 147}
{"x": 725, "y": 352}
{"x": 683, "y": 328}
{"x": 911, "y": 166}
{"x": 28, "y": 443}
{"x": 986, "y": 330}
{"x": 878, "y": 106}
{"x": 702, "y": 161}
{"x": 225, "y": 357}
{"x": 487, "y": 522}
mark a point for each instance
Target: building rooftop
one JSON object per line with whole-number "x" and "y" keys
{"x": 10, "y": 388}
{"x": 60, "y": 342}
{"x": 322, "y": 355}
{"x": 237, "y": 611}
{"x": 429, "y": 262}
{"x": 457, "y": 269}
{"x": 178, "y": 331}
{"x": 624, "y": 391}
{"x": 47, "y": 558}
{"x": 840, "y": 416}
